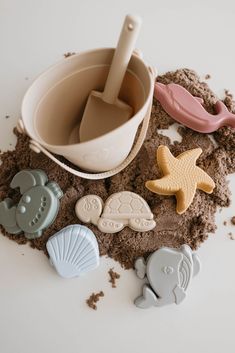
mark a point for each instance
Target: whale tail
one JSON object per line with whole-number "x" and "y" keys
{"x": 148, "y": 298}
{"x": 226, "y": 117}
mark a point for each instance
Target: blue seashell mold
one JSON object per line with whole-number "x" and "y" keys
{"x": 73, "y": 251}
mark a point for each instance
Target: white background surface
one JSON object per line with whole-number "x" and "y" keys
{"x": 40, "y": 312}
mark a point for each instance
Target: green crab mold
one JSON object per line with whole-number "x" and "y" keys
{"x": 37, "y": 208}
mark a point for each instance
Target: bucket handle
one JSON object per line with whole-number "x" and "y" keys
{"x": 36, "y": 147}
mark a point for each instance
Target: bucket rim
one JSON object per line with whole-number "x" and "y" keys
{"x": 140, "y": 113}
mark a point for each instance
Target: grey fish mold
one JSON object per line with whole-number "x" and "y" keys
{"x": 168, "y": 273}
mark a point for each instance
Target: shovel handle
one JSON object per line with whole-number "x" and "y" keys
{"x": 121, "y": 58}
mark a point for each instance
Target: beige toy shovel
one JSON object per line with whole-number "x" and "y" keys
{"x": 104, "y": 112}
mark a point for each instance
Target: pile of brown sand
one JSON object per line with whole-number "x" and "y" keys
{"x": 172, "y": 230}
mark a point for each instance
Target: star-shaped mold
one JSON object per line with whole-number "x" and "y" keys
{"x": 181, "y": 177}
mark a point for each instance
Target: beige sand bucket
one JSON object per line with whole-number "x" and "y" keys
{"x": 53, "y": 107}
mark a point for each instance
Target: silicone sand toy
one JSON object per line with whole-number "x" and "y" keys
{"x": 188, "y": 110}
{"x": 181, "y": 177}
{"x": 37, "y": 207}
{"x": 169, "y": 273}
{"x": 172, "y": 229}
{"x": 73, "y": 251}
{"x": 121, "y": 209}
{"x": 105, "y": 110}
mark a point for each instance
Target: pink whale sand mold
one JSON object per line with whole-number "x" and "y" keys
{"x": 188, "y": 110}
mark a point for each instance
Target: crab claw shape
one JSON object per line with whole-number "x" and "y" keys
{"x": 26, "y": 179}
{"x": 8, "y": 216}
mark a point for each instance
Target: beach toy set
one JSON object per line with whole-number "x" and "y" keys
{"x": 89, "y": 114}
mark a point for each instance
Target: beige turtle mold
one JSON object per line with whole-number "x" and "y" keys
{"x": 120, "y": 210}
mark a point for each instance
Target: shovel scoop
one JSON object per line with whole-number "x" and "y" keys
{"x": 104, "y": 111}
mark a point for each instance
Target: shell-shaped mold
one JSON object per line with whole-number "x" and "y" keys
{"x": 73, "y": 251}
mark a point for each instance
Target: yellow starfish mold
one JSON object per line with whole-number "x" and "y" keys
{"x": 181, "y": 177}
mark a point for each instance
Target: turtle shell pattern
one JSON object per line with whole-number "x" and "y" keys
{"x": 126, "y": 204}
